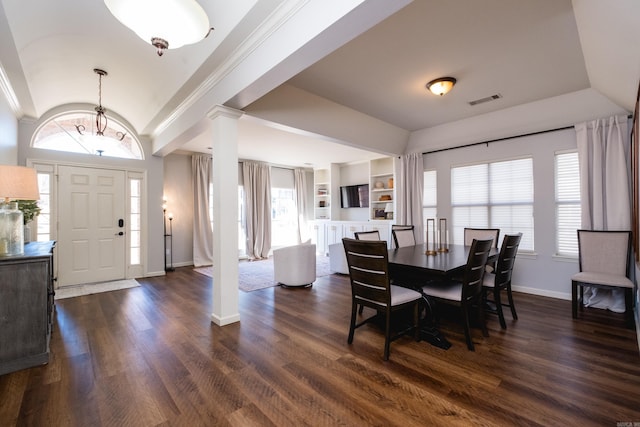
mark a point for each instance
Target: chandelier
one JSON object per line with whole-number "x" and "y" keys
{"x": 163, "y": 23}
{"x": 101, "y": 118}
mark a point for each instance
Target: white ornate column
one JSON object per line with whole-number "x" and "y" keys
{"x": 224, "y": 125}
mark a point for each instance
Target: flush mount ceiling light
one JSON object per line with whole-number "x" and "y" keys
{"x": 441, "y": 86}
{"x": 166, "y": 24}
{"x": 101, "y": 118}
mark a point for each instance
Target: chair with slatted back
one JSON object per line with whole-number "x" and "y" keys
{"x": 482, "y": 234}
{"x": 367, "y": 235}
{"x": 467, "y": 292}
{"x": 500, "y": 280}
{"x": 604, "y": 260}
{"x": 403, "y": 237}
{"x": 370, "y": 286}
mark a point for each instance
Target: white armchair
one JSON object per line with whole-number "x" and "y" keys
{"x": 295, "y": 265}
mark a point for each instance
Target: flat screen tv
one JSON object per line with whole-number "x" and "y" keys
{"x": 354, "y": 196}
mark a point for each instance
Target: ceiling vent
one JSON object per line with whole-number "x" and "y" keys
{"x": 487, "y": 99}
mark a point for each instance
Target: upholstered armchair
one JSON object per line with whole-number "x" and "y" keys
{"x": 295, "y": 265}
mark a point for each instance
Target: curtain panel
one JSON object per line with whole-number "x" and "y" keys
{"x": 409, "y": 192}
{"x": 300, "y": 184}
{"x": 201, "y": 170}
{"x": 604, "y": 153}
{"x": 257, "y": 194}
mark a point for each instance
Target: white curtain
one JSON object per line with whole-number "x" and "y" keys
{"x": 257, "y": 195}
{"x": 300, "y": 184}
{"x": 201, "y": 170}
{"x": 409, "y": 191}
{"x": 604, "y": 152}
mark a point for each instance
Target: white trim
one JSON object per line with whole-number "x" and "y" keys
{"x": 262, "y": 33}
{"x": 542, "y": 292}
{"x": 10, "y": 94}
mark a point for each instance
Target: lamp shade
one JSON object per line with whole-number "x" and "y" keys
{"x": 18, "y": 183}
{"x": 441, "y": 86}
{"x": 178, "y": 22}
{"x": 388, "y": 207}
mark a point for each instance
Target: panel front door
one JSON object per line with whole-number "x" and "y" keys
{"x": 91, "y": 232}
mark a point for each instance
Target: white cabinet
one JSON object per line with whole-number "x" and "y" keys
{"x": 318, "y": 237}
{"x": 381, "y": 188}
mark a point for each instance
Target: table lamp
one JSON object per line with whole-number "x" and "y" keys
{"x": 16, "y": 183}
{"x": 388, "y": 209}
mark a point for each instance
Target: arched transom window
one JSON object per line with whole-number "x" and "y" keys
{"x": 75, "y": 132}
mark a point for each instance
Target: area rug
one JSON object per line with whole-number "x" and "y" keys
{"x": 254, "y": 275}
{"x": 94, "y": 288}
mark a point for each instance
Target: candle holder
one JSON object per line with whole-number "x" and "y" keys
{"x": 443, "y": 236}
{"x": 432, "y": 222}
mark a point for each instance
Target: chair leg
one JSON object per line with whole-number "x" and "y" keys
{"x": 360, "y": 309}
{"x": 512, "y": 306}
{"x": 498, "y": 303}
{"x": 352, "y": 326}
{"x": 628, "y": 302}
{"x": 467, "y": 330}
{"x": 574, "y": 299}
{"x": 387, "y": 335}
{"x": 416, "y": 321}
{"x": 483, "y": 322}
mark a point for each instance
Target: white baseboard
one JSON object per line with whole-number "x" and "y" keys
{"x": 542, "y": 292}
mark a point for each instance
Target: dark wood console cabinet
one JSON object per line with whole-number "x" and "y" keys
{"x": 26, "y": 307}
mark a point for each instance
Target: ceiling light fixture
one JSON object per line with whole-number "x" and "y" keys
{"x": 163, "y": 23}
{"x": 441, "y": 86}
{"x": 101, "y": 118}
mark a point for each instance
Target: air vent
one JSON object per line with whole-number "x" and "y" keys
{"x": 487, "y": 99}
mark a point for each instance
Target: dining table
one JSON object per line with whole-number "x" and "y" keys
{"x": 413, "y": 266}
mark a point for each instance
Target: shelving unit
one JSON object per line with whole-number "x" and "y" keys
{"x": 381, "y": 188}
{"x": 322, "y": 194}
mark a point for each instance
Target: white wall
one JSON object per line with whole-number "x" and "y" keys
{"x": 542, "y": 273}
{"x": 178, "y": 190}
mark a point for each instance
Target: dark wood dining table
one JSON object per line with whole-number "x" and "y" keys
{"x": 413, "y": 262}
{"x": 411, "y": 267}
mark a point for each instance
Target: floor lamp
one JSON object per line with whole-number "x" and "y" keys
{"x": 167, "y": 235}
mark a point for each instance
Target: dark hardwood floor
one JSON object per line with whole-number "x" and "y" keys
{"x": 150, "y": 356}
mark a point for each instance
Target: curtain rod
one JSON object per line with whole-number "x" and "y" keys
{"x": 505, "y": 138}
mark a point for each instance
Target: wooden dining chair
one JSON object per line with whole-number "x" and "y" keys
{"x": 367, "y": 235}
{"x": 403, "y": 237}
{"x": 370, "y": 286}
{"x": 604, "y": 259}
{"x": 481, "y": 234}
{"x": 500, "y": 280}
{"x": 467, "y": 292}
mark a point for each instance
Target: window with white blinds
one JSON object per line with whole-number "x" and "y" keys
{"x": 568, "y": 213}
{"x": 430, "y": 195}
{"x": 494, "y": 195}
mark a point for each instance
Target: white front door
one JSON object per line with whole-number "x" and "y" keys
{"x": 91, "y": 231}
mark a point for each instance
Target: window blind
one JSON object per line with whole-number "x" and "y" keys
{"x": 494, "y": 195}
{"x": 430, "y": 195}
{"x": 568, "y": 211}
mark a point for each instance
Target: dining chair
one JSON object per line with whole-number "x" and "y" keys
{"x": 401, "y": 227}
{"x": 367, "y": 235}
{"x": 368, "y": 263}
{"x": 604, "y": 263}
{"x": 500, "y": 280}
{"x": 481, "y": 234}
{"x": 403, "y": 237}
{"x": 467, "y": 292}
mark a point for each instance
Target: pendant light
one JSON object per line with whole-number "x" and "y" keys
{"x": 166, "y": 24}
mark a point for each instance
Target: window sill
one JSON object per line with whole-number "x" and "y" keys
{"x": 565, "y": 258}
